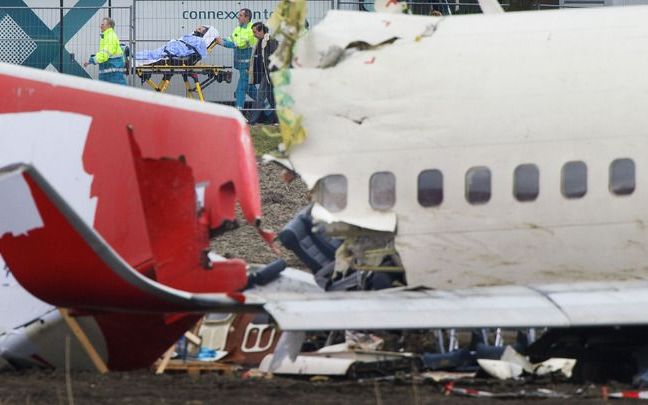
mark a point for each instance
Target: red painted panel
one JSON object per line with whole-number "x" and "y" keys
{"x": 178, "y": 236}
{"x": 58, "y": 266}
{"x": 136, "y": 341}
{"x": 217, "y": 148}
{"x": 145, "y": 159}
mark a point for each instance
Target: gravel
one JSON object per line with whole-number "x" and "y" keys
{"x": 280, "y": 202}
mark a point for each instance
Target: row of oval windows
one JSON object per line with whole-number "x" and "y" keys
{"x": 526, "y": 185}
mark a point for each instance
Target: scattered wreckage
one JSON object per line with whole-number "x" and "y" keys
{"x": 108, "y": 212}
{"x": 513, "y": 189}
{"x": 415, "y": 225}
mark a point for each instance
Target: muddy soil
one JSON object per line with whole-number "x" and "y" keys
{"x": 143, "y": 387}
{"x": 280, "y": 202}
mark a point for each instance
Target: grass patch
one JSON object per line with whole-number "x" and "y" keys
{"x": 262, "y": 142}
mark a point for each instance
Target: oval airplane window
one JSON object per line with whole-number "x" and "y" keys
{"x": 574, "y": 179}
{"x": 526, "y": 182}
{"x": 430, "y": 188}
{"x": 622, "y": 176}
{"x": 382, "y": 190}
{"x": 478, "y": 185}
{"x": 332, "y": 193}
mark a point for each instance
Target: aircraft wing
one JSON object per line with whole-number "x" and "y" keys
{"x": 559, "y": 305}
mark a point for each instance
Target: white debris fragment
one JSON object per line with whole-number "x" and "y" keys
{"x": 549, "y": 366}
{"x": 287, "y": 349}
{"x": 512, "y": 356}
{"x": 502, "y": 370}
{"x": 512, "y": 364}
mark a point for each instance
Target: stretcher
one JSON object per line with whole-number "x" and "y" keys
{"x": 187, "y": 66}
{"x": 182, "y": 67}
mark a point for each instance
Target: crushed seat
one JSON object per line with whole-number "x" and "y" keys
{"x": 315, "y": 249}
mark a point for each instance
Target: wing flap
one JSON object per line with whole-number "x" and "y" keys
{"x": 595, "y": 304}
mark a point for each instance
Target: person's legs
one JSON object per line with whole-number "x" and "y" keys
{"x": 241, "y": 85}
{"x": 243, "y": 88}
{"x": 255, "y": 114}
{"x": 269, "y": 109}
{"x": 252, "y": 91}
{"x": 272, "y": 112}
{"x": 271, "y": 98}
{"x": 121, "y": 79}
{"x": 113, "y": 77}
{"x": 259, "y": 102}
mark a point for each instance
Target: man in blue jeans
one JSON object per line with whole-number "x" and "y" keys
{"x": 242, "y": 41}
{"x": 260, "y": 73}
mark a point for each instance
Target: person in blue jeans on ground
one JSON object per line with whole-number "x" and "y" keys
{"x": 243, "y": 42}
{"x": 260, "y": 74}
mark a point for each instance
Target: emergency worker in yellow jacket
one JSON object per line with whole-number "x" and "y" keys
{"x": 243, "y": 42}
{"x": 110, "y": 56}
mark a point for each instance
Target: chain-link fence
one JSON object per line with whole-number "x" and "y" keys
{"x": 51, "y": 38}
{"x": 158, "y": 21}
{"x": 62, "y": 38}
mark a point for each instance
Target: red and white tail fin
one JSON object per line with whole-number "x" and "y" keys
{"x": 56, "y": 256}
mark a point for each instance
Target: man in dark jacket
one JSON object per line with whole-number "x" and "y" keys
{"x": 260, "y": 73}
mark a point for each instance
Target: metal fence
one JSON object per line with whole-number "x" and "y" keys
{"x": 157, "y": 21}
{"x": 62, "y": 38}
{"x": 50, "y": 37}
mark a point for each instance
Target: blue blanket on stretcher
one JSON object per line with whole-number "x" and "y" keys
{"x": 185, "y": 46}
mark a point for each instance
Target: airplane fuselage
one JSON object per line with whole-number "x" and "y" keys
{"x": 510, "y": 147}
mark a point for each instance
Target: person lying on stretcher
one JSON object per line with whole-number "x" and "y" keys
{"x": 190, "y": 48}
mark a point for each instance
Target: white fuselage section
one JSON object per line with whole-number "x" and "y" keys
{"x": 493, "y": 91}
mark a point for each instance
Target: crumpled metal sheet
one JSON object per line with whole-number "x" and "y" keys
{"x": 444, "y": 101}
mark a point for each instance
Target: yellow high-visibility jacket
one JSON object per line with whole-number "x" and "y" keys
{"x": 108, "y": 46}
{"x": 243, "y": 41}
{"x": 110, "y": 58}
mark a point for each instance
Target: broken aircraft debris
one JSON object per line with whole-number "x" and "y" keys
{"x": 559, "y": 249}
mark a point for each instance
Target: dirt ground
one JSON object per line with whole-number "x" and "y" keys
{"x": 280, "y": 202}
{"x": 143, "y": 387}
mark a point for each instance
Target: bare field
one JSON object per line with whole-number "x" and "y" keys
{"x": 143, "y": 387}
